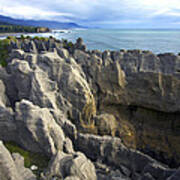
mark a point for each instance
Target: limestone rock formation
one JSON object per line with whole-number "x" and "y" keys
{"x": 12, "y": 167}
{"x": 141, "y": 90}
{"x": 68, "y": 166}
{"x": 106, "y": 124}
{"x": 38, "y": 131}
{"x": 60, "y": 100}
{"x": 130, "y": 162}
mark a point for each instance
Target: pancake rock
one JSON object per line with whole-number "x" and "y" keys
{"x": 61, "y": 100}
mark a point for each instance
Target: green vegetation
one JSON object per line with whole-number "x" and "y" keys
{"x": 30, "y": 158}
{"x": 40, "y": 38}
{"x": 68, "y": 45}
{"x": 17, "y": 28}
{"x": 12, "y": 38}
{"x": 4, "y": 51}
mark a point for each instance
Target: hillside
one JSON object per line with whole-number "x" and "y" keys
{"x": 42, "y": 23}
{"x": 21, "y": 29}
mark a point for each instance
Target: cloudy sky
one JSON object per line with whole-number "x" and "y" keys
{"x": 98, "y": 13}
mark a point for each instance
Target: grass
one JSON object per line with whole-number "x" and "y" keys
{"x": 41, "y": 161}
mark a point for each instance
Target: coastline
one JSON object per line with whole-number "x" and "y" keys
{"x": 18, "y": 34}
{"x": 13, "y": 34}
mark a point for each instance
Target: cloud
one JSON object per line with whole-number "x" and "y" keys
{"x": 31, "y": 13}
{"x": 117, "y": 13}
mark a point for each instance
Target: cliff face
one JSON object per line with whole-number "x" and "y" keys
{"x": 142, "y": 91}
{"x": 53, "y": 92}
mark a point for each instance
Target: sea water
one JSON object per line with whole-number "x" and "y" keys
{"x": 157, "y": 41}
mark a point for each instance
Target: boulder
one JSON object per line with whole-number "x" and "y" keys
{"x": 106, "y": 124}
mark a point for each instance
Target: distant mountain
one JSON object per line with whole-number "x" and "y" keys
{"x": 42, "y": 23}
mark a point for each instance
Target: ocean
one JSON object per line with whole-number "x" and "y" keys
{"x": 157, "y": 41}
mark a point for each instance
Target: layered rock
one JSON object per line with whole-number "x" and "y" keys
{"x": 38, "y": 131}
{"x": 141, "y": 90}
{"x": 130, "y": 162}
{"x": 52, "y": 93}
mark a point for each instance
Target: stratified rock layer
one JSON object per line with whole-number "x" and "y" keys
{"x": 142, "y": 91}
{"x": 52, "y": 94}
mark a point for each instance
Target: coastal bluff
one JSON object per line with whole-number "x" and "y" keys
{"x": 89, "y": 114}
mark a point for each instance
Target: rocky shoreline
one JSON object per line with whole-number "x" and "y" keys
{"x": 4, "y": 35}
{"x": 90, "y": 114}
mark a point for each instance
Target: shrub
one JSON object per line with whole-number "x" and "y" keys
{"x": 4, "y": 51}
{"x": 22, "y": 37}
{"x": 40, "y": 38}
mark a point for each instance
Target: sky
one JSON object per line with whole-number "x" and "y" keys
{"x": 98, "y": 13}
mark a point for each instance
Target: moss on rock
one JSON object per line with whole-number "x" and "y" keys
{"x": 41, "y": 161}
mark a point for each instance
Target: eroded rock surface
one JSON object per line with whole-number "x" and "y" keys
{"x": 54, "y": 95}
{"x": 71, "y": 166}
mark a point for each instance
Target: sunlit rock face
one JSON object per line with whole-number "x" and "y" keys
{"x": 55, "y": 95}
